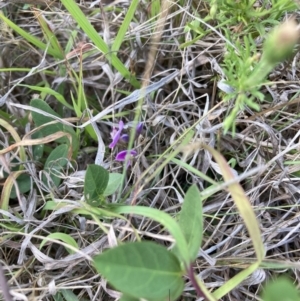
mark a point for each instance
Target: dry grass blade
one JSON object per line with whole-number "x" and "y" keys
{"x": 242, "y": 203}
{"x": 4, "y": 286}
{"x": 39, "y": 141}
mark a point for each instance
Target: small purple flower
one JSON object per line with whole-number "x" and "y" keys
{"x": 139, "y": 128}
{"x": 124, "y": 138}
{"x": 121, "y": 156}
{"x": 116, "y": 134}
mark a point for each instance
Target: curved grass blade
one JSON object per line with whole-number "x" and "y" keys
{"x": 86, "y": 26}
{"x": 31, "y": 39}
{"x": 163, "y": 218}
{"x": 247, "y": 213}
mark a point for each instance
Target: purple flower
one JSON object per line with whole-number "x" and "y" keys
{"x": 116, "y": 134}
{"x": 139, "y": 129}
{"x": 124, "y": 138}
{"x": 121, "y": 156}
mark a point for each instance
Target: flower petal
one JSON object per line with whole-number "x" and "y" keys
{"x": 116, "y": 134}
{"x": 121, "y": 156}
{"x": 139, "y": 128}
{"x": 125, "y": 138}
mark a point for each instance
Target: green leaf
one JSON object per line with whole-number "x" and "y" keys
{"x": 49, "y": 35}
{"x": 40, "y": 120}
{"x": 94, "y": 36}
{"x": 124, "y": 27}
{"x": 114, "y": 182}
{"x": 95, "y": 183}
{"x": 24, "y": 185}
{"x": 165, "y": 219}
{"x": 279, "y": 290}
{"x": 37, "y": 150}
{"x": 49, "y": 91}
{"x": 69, "y": 295}
{"x": 31, "y": 38}
{"x": 57, "y": 159}
{"x": 66, "y": 238}
{"x": 128, "y": 298}
{"x": 58, "y": 297}
{"x": 142, "y": 270}
{"x": 191, "y": 221}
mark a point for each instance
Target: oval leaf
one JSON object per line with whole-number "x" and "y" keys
{"x": 128, "y": 298}
{"x": 40, "y": 119}
{"x": 24, "y": 185}
{"x": 114, "y": 183}
{"x": 57, "y": 159}
{"x": 37, "y": 150}
{"x": 95, "y": 183}
{"x": 279, "y": 290}
{"x": 191, "y": 221}
{"x": 142, "y": 270}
